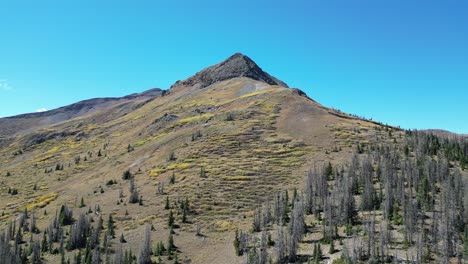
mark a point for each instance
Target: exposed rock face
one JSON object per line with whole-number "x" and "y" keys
{"x": 238, "y": 65}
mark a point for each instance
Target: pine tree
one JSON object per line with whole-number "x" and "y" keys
{"x": 170, "y": 243}
{"x": 422, "y": 195}
{"x": 167, "y": 205}
{"x": 170, "y": 221}
{"x": 45, "y": 244}
{"x": 162, "y": 248}
{"x": 65, "y": 216}
{"x": 122, "y": 238}
{"x": 237, "y": 243}
{"x": 318, "y": 256}
{"x": 270, "y": 241}
{"x": 130, "y": 148}
{"x": 127, "y": 175}
{"x": 110, "y": 226}
{"x": 172, "y": 179}
{"x": 82, "y": 204}
{"x": 328, "y": 171}
{"x": 184, "y": 216}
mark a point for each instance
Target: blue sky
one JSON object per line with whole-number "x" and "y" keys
{"x": 400, "y": 62}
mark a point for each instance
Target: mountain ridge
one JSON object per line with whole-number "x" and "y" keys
{"x": 237, "y": 65}
{"x": 24, "y": 123}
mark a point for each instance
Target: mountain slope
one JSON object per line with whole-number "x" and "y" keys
{"x": 225, "y": 139}
{"x": 24, "y": 123}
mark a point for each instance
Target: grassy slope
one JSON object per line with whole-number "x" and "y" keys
{"x": 274, "y": 137}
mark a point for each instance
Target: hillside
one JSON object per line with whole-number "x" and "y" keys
{"x": 25, "y": 123}
{"x": 209, "y": 151}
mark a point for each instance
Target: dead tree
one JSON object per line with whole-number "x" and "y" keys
{"x": 145, "y": 251}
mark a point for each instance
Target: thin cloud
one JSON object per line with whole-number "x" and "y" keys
{"x": 41, "y": 110}
{"x": 4, "y": 85}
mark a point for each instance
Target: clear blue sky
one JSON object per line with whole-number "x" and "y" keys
{"x": 400, "y": 62}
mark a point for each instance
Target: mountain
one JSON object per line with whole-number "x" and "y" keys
{"x": 211, "y": 154}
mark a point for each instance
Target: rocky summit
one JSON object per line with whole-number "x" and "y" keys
{"x": 238, "y": 65}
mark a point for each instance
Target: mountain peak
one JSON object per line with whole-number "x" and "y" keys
{"x": 237, "y": 65}
{"x": 238, "y": 55}
{"x": 240, "y": 60}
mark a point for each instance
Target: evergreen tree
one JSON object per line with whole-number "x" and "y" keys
{"x": 82, "y": 203}
{"x": 172, "y": 179}
{"x": 65, "y": 216}
{"x": 45, "y": 244}
{"x": 170, "y": 243}
{"x": 170, "y": 221}
{"x": 328, "y": 171}
{"x": 237, "y": 244}
{"x": 167, "y": 205}
{"x": 122, "y": 238}
{"x": 127, "y": 175}
{"x": 110, "y": 226}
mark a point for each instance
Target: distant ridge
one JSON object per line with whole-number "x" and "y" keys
{"x": 444, "y": 133}
{"x": 31, "y": 121}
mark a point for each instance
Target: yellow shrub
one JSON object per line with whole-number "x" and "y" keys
{"x": 155, "y": 172}
{"x": 42, "y": 201}
{"x": 178, "y": 166}
{"x": 194, "y": 118}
